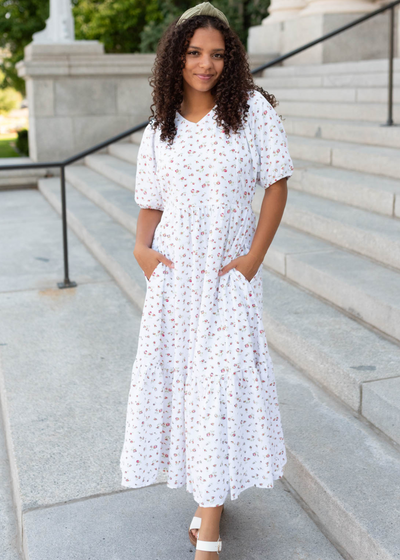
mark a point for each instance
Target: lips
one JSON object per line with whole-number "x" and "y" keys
{"x": 204, "y": 77}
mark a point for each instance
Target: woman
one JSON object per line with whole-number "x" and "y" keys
{"x": 203, "y": 406}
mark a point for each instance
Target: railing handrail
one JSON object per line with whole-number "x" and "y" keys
{"x": 62, "y": 164}
{"x": 72, "y": 159}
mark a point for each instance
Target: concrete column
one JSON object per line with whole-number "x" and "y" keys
{"x": 281, "y": 10}
{"x": 338, "y": 7}
{"x": 78, "y": 95}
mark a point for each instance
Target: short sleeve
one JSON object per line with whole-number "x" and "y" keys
{"x": 274, "y": 161}
{"x": 147, "y": 187}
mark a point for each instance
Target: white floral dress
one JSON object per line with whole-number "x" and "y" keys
{"x": 203, "y": 406}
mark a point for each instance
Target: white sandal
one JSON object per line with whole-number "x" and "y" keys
{"x": 210, "y": 546}
{"x": 195, "y": 524}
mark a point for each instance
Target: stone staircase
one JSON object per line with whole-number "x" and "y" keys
{"x": 331, "y": 291}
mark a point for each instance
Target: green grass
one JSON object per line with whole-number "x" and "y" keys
{"x": 6, "y": 150}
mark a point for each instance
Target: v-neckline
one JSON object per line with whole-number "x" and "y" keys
{"x": 198, "y": 122}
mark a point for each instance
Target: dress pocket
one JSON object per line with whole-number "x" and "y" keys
{"x": 154, "y": 273}
{"x": 252, "y": 290}
{"x": 240, "y": 274}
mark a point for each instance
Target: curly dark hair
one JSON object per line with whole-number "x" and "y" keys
{"x": 230, "y": 92}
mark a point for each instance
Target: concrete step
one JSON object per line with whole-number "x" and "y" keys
{"x": 378, "y": 161}
{"x": 381, "y": 405}
{"x": 358, "y": 286}
{"x": 17, "y": 178}
{"x": 345, "y": 473}
{"x": 344, "y": 80}
{"x": 102, "y": 527}
{"x": 314, "y": 354}
{"x": 318, "y": 468}
{"x": 113, "y": 168}
{"x": 377, "y": 237}
{"x": 118, "y": 202}
{"x": 368, "y": 133}
{"x": 350, "y": 361}
{"x": 127, "y": 151}
{"x": 23, "y": 264}
{"x": 136, "y": 137}
{"x": 369, "y": 112}
{"x": 102, "y": 236}
{"x": 376, "y": 66}
{"x": 335, "y": 94}
{"x": 362, "y": 190}
{"x": 9, "y": 543}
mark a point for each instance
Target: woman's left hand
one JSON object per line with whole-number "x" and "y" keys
{"x": 246, "y": 264}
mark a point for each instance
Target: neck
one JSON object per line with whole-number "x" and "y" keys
{"x": 196, "y": 101}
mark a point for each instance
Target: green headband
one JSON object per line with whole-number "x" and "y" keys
{"x": 203, "y": 9}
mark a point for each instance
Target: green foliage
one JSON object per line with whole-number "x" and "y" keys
{"x": 6, "y": 147}
{"x": 22, "y": 142}
{"x": 116, "y": 23}
{"x": 241, "y": 15}
{"x": 19, "y": 19}
{"x": 161, "y": 14}
{"x": 124, "y": 26}
{"x": 9, "y": 98}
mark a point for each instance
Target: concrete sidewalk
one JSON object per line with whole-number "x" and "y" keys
{"x": 66, "y": 359}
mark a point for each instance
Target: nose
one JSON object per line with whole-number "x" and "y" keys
{"x": 205, "y": 62}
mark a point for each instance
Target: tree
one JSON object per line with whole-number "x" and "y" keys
{"x": 19, "y": 19}
{"x": 241, "y": 15}
{"x": 116, "y": 23}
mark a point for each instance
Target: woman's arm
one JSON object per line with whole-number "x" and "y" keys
{"x": 147, "y": 257}
{"x": 271, "y": 213}
{"x": 147, "y": 222}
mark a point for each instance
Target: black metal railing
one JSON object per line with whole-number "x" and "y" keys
{"x": 62, "y": 164}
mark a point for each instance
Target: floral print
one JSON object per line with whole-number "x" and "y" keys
{"x": 203, "y": 405}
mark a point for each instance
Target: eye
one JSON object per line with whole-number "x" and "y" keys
{"x": 219, "y": 55}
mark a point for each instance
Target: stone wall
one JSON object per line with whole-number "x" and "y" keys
{"x": 79, "y": 96}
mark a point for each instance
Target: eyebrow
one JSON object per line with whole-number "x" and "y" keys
{"x": 200, "y": 49}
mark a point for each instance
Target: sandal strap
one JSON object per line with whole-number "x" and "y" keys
{"x": 196, "y": 522}
{"x": 209, "y": 546}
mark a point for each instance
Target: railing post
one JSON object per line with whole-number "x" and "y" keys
{"x": 67, "y": 283}
{"x": 390, "y": 76}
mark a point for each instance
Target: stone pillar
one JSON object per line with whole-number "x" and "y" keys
{"x": 78, "y": 95}
{"x": 289, "y": 27}
{"x": 338, "y": 7}
{"x": 281, "y": 10}
{"x": 267, "y": 38}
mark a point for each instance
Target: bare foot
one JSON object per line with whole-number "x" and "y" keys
{"x": 209, "y": 530}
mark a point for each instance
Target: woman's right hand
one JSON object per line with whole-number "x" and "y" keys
{"x": 148, "y": 259}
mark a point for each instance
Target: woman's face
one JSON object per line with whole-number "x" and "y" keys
{"x": 204, "y": 59}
